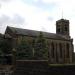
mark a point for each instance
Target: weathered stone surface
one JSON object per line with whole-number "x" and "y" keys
{"x": 42, "y": 68}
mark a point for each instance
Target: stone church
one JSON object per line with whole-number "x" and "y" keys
{"x": 60, "y": 44}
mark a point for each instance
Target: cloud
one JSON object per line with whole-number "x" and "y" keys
{"x": 17, "y": 19}
{"x": 5, "y": 20}
{"x": 50, "y": 18}
{"x": 50, "y": 1}
{"x": 5, "y": 0}
{"x": 35, "y": 17}
{"x": 41, "y": 4}
{"x": 35, "y": 0}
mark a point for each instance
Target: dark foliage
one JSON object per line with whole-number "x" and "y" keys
{"x": 35, "y": 49}
{"x": 5, "y": 46}
{"x": 24, "y": 50}
{"x": 41, "y": 47}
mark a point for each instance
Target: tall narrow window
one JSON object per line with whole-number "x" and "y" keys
{"x": 60, "y": 49}
{"x": 65, "y": 27}
{"x": 58, "y": 29}
{"x": 67, "y": 50}
{"x": 56, "y": 54}
{"x": 52, "y": 50}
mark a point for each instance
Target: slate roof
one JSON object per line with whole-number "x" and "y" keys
{"x": 27, "y": 32}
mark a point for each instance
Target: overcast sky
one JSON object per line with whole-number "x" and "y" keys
{"x": 36, "y": 14}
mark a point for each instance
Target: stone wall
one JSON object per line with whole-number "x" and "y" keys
{"x": 42, "y": 68}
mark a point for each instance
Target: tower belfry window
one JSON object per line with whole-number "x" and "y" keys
{"x": 58, "y": 29}
{"x": 65, "y": 28}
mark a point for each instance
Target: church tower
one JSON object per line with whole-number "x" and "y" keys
{"x": 62, "y": 27}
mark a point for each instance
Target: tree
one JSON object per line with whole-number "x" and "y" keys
{"x": 5, "y": 50}
{"x": 24, "y": 50}
{"x": 5, "y": 46}
{"x": 41, "y": 47}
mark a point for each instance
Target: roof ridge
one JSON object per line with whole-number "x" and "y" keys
{"x": 28, "y": 32}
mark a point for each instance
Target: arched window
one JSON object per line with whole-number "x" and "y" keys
{"x": 57, "y": 53}
{"x": 67, "y": 50}
{"x": 52, "y": 49}
{"x": 60, "y": 49}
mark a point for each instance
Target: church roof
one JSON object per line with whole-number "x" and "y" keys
{"x": 34, "y": 33}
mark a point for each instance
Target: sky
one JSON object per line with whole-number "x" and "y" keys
{"x": 38, "y": 15}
